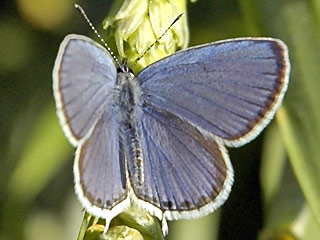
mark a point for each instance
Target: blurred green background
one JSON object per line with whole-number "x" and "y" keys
{"x": 276, "y": 194}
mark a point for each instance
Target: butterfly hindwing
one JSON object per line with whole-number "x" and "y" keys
{"x": 99, "y": 168}
{"x": 183, "y": 173}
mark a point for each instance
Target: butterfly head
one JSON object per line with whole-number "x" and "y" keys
{"x": 123, "y": 68}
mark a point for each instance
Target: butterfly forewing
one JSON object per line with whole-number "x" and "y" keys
{"x": 230, "y": 88}
{"x": 84, "y": 76}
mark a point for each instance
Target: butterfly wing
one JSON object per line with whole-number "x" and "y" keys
{"x": 191, "y": 104}
{"x": 99, "y": 169}
{"x": 84, "y": 76}
{"x": 230, "y": 88}
{"x": 84, "y": 81}
{"x": 184, "y": 174}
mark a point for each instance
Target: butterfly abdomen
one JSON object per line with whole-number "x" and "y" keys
{"x": 127, "y": 100}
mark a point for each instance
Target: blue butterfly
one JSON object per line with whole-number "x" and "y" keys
{"x": 157, "y": 140}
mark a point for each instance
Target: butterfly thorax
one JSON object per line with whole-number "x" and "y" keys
{"x": 128, "y": 90}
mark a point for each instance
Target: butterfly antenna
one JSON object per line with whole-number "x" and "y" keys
{"x": 158, "y": 39}
{"x": 80, "y": 9}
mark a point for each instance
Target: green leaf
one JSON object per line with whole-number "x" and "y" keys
{"x": 203, "y": 228}
{"x": 272, "y": 164}
{"x": 147, "y": 225}
{"x": 44, "y": 155}
{"x": 135, "y": 223}
{"x": 305, "y": 227}
{"x": 299, "y": 122}
{"x": 84, "y": 225}
{"x": 249, "y": 16}
{"x": 305, "y": 164}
